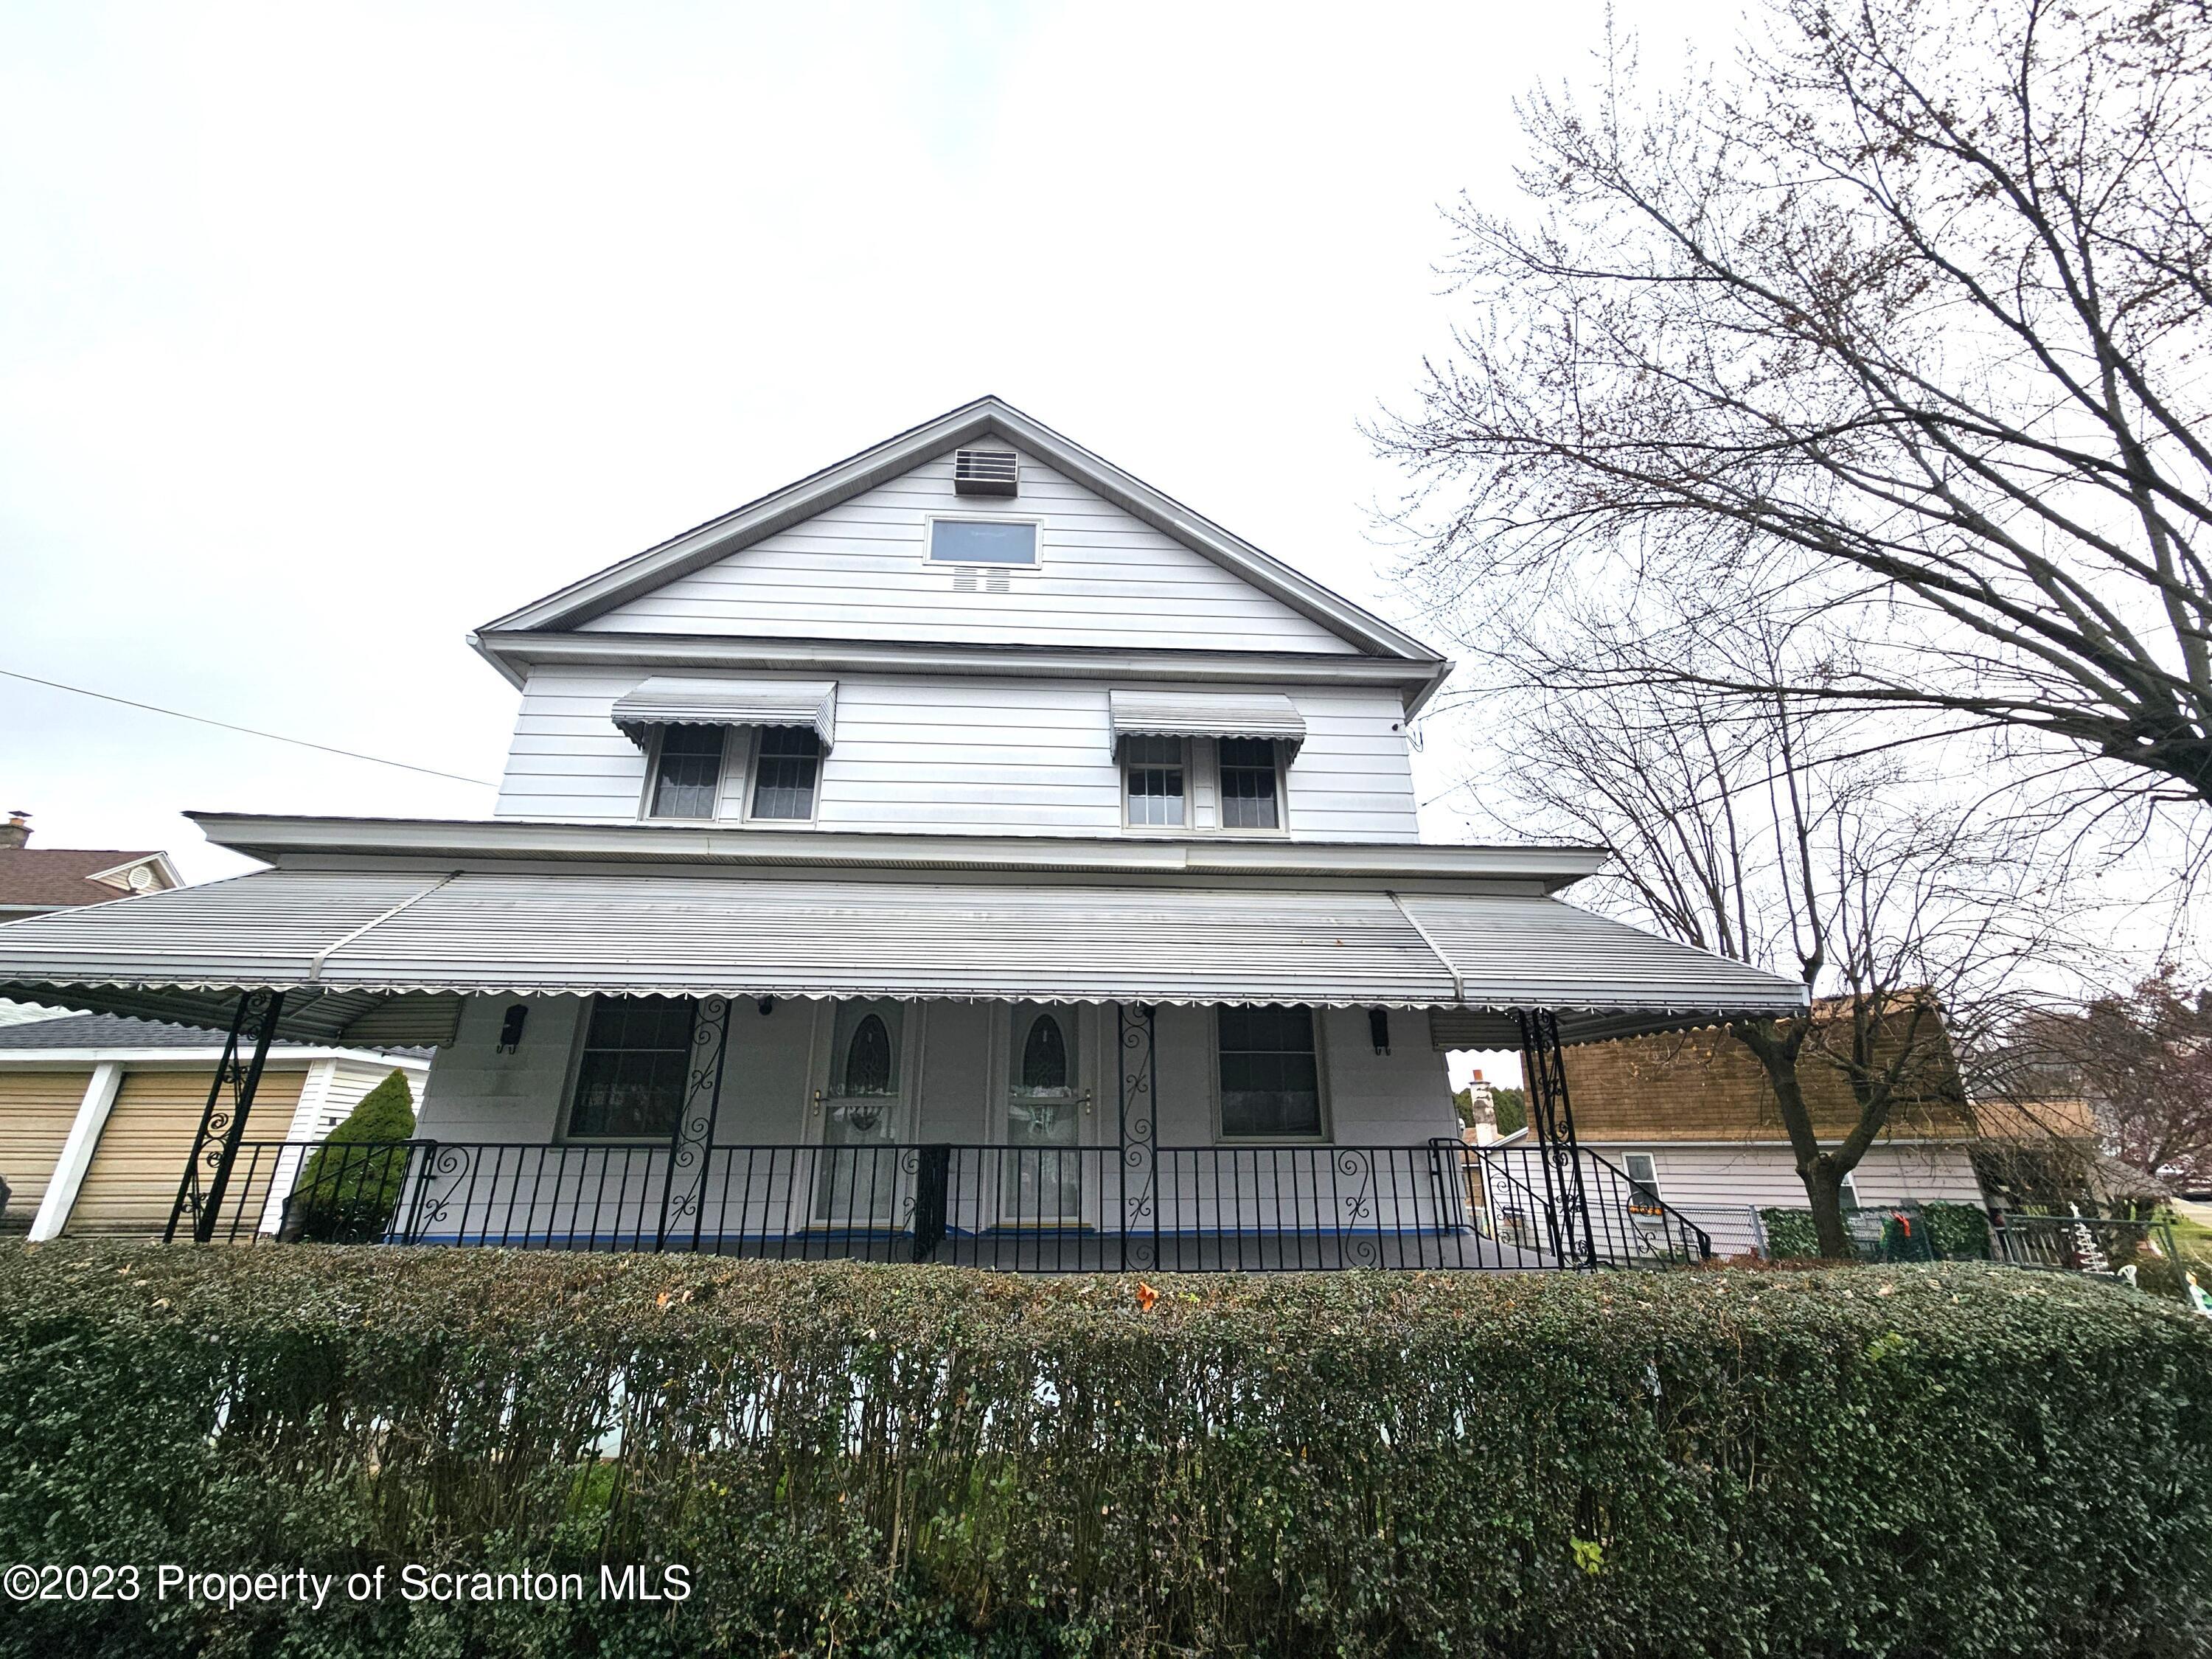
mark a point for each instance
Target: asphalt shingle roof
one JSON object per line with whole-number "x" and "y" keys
{"x": 59, "y": 875}
{"x": 114, "y": 1031}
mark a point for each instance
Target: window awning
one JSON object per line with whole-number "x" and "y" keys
{"x": 1269, "y": 714}
{"x": 682, "y": 699}
{"x": 343, "y": 940}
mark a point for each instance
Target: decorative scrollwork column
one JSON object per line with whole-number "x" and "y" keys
{"x": 1558, "y": 1154}
{"x": 222, "y": 1122}
{"x": 691, "y": 1145}
{"x": 1136, "y": 1100}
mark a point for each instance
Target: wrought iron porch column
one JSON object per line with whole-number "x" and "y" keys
{"x": 691, "y": 1143}
{"x": 1552, "y": 1114}
{"x": 1135, "y": 1093}
{"x": 223, "y": 1122}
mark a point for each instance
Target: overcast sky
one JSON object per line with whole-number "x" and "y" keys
{"x": 329, "y": 331}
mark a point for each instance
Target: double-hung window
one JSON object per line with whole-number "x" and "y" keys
{"x": 1269, "y": 1074}
{"x": 630, "y": 1081}
{"x": 687, "y": 773}
{"x": 1249, "y": 785}
{"x": 784, "y": 775}
{"x": 1152, "y": 774}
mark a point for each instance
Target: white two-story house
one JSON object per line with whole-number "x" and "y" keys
{"x": 965, "y": 853}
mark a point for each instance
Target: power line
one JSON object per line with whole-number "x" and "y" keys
{"x": 274, "y": 737}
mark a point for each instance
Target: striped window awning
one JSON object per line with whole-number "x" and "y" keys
{"x": 1267, "y": 715}
{"x": 685, "y": 699}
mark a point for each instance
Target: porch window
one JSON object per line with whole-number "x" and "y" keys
{"x": 637, "y": 1055}
{"x": 1153, "y": 772}
{"x": 1270, "y": 1075}
{"x": 784, "y": 777}
{"x": 1249, "y": 799}
{"x": 687, "y": 773}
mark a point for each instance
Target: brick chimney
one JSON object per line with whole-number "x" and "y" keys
{"x": 17, "y": 830}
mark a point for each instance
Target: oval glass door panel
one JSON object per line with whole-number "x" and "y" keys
{"x": 864, "y": 1110}
{"x": 1042, "y": 1183}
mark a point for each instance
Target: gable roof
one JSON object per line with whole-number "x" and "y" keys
{"x": 56, "y": 878}
{"x": 619, "y": 583}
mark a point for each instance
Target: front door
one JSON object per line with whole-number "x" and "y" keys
{"x": 1042, "y": 1179}
{"x": 861, "y": 1181}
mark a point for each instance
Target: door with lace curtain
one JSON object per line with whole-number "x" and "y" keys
{"x": 1041, "y": 1183}
{"x": 864, "y": 1179}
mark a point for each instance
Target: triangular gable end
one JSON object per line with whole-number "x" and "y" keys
{"x": 843, "y": 554}
{"x": 863, "y": 569}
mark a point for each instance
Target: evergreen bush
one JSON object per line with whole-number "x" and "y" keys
{"x": 346, "y": 1191}
{"x": 1956, "y": 1460}
{"x": 1960, "y": 1232}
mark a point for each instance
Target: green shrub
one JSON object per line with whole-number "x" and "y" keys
{"x": 1955, "y": 1459}
{"x": 1942, "y": 1232}
{"x": 1790, "y": 1235}
{"x": 345, "y": 1192}
{"x": 1960, "y": 1232}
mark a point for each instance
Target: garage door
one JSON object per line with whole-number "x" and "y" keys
{"x": 133, "y": 1181}
{"x": 36, "y": 1110}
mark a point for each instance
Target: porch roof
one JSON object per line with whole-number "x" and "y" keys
{"x": 346, "y": 941}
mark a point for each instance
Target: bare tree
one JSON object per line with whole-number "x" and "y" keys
{"x": 1790, "y": 837}
{"x": 2143, "y": 1060}
{"x": 1901, "y": 328}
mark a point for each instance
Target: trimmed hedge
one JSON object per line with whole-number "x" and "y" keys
{"x": 1940, "y": 1232}
{"x": 1955, "y": 1459}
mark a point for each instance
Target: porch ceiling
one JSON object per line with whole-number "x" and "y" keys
{"x": 344, "y": 941}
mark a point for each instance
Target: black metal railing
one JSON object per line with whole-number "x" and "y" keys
{"x": 2073, "y": 1243}
{"x": 1018, "y": 1208}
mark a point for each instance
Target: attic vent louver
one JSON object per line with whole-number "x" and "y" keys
{"x": 985, "y": 472}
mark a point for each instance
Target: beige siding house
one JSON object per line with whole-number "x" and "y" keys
{"x": 98, "y": 1114}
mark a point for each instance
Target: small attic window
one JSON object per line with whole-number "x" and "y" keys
{"x": 985, "y": 472}
{"x": 981, "y": 541}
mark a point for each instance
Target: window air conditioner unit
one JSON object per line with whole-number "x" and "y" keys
{"x": 985, "y": 472}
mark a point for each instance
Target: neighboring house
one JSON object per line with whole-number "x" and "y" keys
{"x": 98, "y": 1113}
{"x": 36, "y": 880}
{"x": 966, "y": 851}
{"x": 1692, "y": 1117}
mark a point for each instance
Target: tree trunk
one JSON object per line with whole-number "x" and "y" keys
{"x": 1778, "y": 1044}
{"x": 1824, "y": 1191}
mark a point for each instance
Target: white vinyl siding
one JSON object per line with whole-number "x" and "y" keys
{"x": 966, "y": 755}
{"x": 860, "y": 570}
{"x": 1719, "y": 1185}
